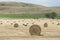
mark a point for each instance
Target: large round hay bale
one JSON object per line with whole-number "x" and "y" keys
{"x": 16, "y": 25}
{"x": 35, "y": 30}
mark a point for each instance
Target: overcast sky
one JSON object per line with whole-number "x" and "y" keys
{"x": 40, "y": 2}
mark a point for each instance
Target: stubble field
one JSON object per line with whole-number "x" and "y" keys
{"x": 9, "y": 32}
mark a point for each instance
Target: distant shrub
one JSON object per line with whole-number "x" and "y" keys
{"x": 53, "y": 15}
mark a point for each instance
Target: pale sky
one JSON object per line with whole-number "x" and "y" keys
{"x": 39, "y": 2}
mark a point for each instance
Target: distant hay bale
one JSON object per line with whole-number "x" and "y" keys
{"x": 16, "y": 25}
{"x": 25, "y": 24}
{"x": 1, "y": 23}
{"x": 58, "y": 24}
{"x": 35, "y": 30}
{"x": 33, "y": 23}
{"x": 45, "y": 25}
{"x": 11, "y": 23}
{"x": 7, "y": 21}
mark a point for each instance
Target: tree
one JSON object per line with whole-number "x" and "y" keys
{"x": 51, "y": 15}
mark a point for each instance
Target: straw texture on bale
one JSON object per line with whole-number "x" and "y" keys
{"x": 35, "y": 30}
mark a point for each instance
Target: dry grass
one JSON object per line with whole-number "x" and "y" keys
{"x": 7, "y": 31}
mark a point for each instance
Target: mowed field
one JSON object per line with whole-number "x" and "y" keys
{"x": 9, "y": 32}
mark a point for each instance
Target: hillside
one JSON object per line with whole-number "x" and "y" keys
{"x": 55, "y": 9}
{"x": 19, "y": 8}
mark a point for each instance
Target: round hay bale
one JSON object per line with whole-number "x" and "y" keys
{"x": 45, "y": 25}
{"x": 16, "y": 25}
{"x": 35, "y": 30}
{"x": 1, "y": 23}
{"x": 11, "y": 23}
{"x": 58, "y": 24}
{"x": 25, "y": 24}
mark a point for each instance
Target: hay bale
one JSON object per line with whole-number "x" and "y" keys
{"x": 33, "y": 23}
{"x": 25, "y": 24}
{"x": 35, "y": 30}
{"x": 11, "y": 23}
{"x": 58, "y": 24}
{"x": 45, "y": 25}
{"x": 16, "y": 25}
{"x": 1, "y": 23}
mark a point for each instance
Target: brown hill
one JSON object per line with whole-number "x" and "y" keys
{"x": 25, "y": 8}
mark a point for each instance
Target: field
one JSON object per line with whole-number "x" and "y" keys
{"x": 8, "y": 32}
